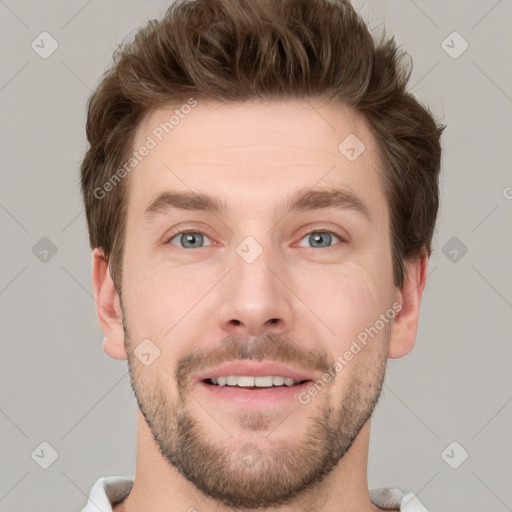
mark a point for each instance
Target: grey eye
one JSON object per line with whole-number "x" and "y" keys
{"x": 320, "y": 238}
{"x": 190, "y": 239}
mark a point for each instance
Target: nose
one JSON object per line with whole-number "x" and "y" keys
{"x": 255, "y": 297}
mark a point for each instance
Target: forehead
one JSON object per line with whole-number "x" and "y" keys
{"x": 255, "y": 153}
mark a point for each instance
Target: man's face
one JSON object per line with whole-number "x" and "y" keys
{"x": 256, "y": 290}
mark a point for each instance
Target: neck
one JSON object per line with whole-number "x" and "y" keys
{"x": 159, "y": 487}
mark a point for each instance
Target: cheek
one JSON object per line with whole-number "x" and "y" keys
{"x": 146, "y": 302}
{"x": 348, "y": 300}
{"x": 162, "y": 301}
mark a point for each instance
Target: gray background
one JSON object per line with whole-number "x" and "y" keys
{"x": 59, "y": 387}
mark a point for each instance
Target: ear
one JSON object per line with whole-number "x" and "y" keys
{"x": 108, "y": 307}
{"x": 405, "y": 323}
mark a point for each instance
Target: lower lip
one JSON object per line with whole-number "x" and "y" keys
{"x": 261, "y": 397}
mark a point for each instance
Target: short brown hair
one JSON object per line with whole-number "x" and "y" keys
{"x": 236, "y": 50}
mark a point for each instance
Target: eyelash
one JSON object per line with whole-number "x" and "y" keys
{"x": 318, "y": 230}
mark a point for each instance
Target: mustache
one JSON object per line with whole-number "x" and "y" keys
{"x": 270, "y": 347}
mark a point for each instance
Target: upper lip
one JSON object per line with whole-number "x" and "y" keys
{"x": 254, "y": 369}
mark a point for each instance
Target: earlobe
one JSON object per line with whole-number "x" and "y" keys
{"x": 108, "y": 307}
{"x": 405, "y": 323}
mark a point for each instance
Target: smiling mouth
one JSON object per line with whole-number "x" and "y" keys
{"x": 253, "y": 383}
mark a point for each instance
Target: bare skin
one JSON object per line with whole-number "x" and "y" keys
{"x": 295, "y": 298}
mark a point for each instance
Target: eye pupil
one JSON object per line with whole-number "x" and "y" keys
{"x": 321, "y": 237}
{"x": 193, "y": 238}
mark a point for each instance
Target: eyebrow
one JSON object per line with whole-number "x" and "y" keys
{"x": 299, "y": 201}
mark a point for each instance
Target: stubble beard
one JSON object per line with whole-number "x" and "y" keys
{"x": 278, "y": 471}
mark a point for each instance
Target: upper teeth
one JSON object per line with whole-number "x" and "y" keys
{"x": 247, "y": 381}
